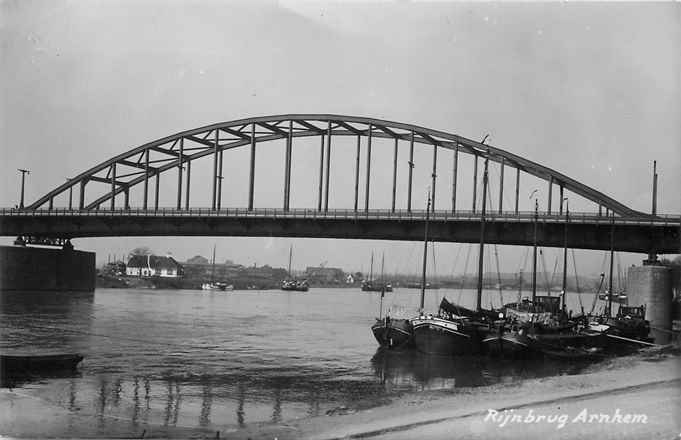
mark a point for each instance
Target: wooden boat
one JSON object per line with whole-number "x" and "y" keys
{"x": 291, "y": 284}
{"x": 215, "y": 285}
{"x": 454, "y": 330}
{"x": 373, "y": 286}
{"x": 17, "y": 365}
{"x": 393, "y": 333}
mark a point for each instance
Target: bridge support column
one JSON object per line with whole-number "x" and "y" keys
{"x": 251, "y": 175}
{"x": 501, "y": 186}
{"x": 50, "y": 204}
{"x": 517, "y": 189}
{"x": 113, "y": 186}
{"x": 475, "y": 181}
{"x": 651, "y": 284}
{"x": 368, "y": 182}
{"x": 328, "y": 167}
{"x": 411, "y": 169}
{"x": 394, "y": 174}
{"x": 321, "y": 171}
{"x": 145, "y": 200}
{"x": 189, "y": 179}
{"x": 126, "y": 198}
{"x": 179, "y": 175}
{"x": 434, "y": 175}
{"x": 359, "y": 148}
{"x": 455, "y": 170}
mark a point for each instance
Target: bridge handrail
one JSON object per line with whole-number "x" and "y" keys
{"x": 398, "y": 214}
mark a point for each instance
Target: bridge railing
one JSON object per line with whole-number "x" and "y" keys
{"x": 375, "y": 214}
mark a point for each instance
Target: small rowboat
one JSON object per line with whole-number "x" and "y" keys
{"x": 14, "y": 365}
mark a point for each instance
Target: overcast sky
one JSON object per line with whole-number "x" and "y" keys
{"x": 590, "y": 90}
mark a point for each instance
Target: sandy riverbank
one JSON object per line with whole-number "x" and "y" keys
{"x": 647, "y": 384}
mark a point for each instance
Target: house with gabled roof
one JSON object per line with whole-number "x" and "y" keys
{"x": 153, "y": 266}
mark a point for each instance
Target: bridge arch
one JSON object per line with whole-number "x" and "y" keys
{"x": 181, "y": 149}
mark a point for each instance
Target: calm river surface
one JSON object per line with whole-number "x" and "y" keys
{"x": 197, "y": 359}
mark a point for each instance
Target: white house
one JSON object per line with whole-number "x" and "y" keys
{"x": 153, "y": 266}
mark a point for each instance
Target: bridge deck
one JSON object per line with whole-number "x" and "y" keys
{"x": 659, "y": 234}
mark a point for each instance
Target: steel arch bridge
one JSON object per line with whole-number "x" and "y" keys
{"x": 183, "y": 148}
{"x": 138, "y": 167}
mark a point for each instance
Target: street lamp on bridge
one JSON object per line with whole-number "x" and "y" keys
{"x": 23, "y": 180}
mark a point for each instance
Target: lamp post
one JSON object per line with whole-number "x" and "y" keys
{"x": 23, "y": 181}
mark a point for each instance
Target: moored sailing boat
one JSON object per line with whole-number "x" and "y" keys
{"x": 391, "y": 332}
{"x": 370, "y": 285}
{"x": 454, "y": 330}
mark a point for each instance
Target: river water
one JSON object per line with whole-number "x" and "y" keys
{"x": 196, "y": 359}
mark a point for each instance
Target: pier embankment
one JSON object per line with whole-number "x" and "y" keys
{"x": 35, "y": 269}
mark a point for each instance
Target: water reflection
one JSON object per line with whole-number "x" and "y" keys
{"x": 410, "y": 369}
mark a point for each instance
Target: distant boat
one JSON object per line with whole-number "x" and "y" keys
{"x": 215, "y": 285}
{"x": 291, "y": 284}
{"x": 372, "y": 286}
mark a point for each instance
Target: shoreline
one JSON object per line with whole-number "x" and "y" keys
{"x": 650, "y": 380}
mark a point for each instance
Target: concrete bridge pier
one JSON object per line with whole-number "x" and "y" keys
{"x": 34, "y": 269}
{"x": 651, "y": 284}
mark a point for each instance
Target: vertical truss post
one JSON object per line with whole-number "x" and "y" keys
{"x": 359, "y": 149}
{"x": 501, "y": 186}
{"x": 113, "y": 186}
{"x": 550, "y": 194}
{"x": 321, "y": 172}
{"x": 368, "y": 182}
{"x": 411, "y": 169}
{"x": 455, "y": 171}
{"x": 126, "y": 199}
{"x": 189, "y": 179}
{"x": 215, "y": 169}
{"x": 50, "y": 205}
{"x": 475, "y": 180}
{"x": 434, "y": 176}
{"x": 145, "y": 200}
{"x": 81, "y": 196}
{"x": 220, "y": 178}
{"x": 561, "y": 200}
{"x": 179, "y": 174}
{"x": 70, "y": 197}
{"x": 600, "y": 210}
{"x": 517, "y": 189}
{"x": 328, "y": 167}
{"x": 287, "y": 166}
{"x": 395, "y": 173}
{"x": 251, "y": 176}
{"x": 156, "y": 190}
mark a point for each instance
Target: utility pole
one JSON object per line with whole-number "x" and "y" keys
{"x": 23, "y": 179}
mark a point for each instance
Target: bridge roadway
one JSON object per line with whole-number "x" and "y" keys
{"x": 660, "y": 234}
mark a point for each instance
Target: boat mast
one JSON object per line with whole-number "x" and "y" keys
{"x": 382, "y": 264}
{"x": 565, "y": 238}
{"x": 371, "y": 267}
{"x": 612, "y": 256}
{"x": 425, "y": 255}
{"x": 212, "y": 270}
{"x": 478, "y": 302}
{"x": 290, "y": 257}
{"x": 534, "y": 255}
